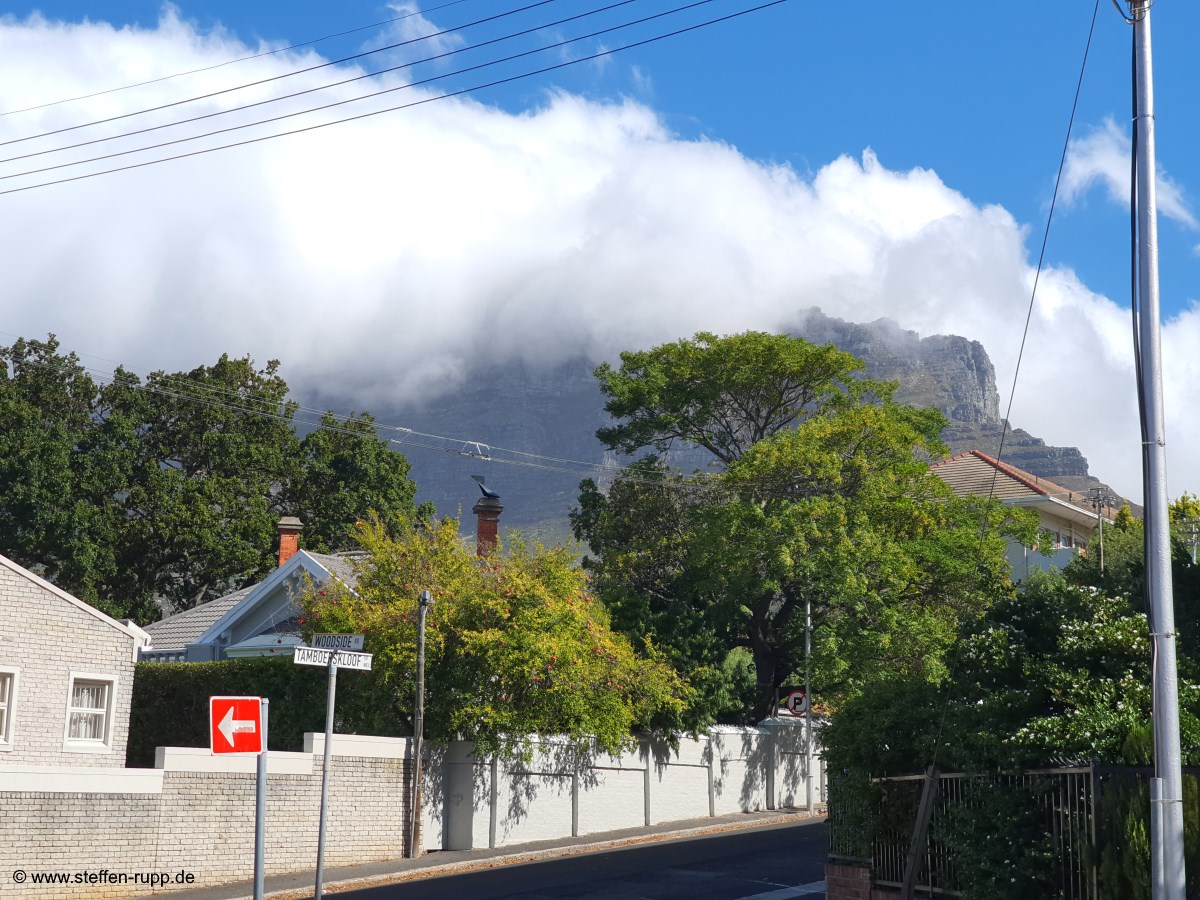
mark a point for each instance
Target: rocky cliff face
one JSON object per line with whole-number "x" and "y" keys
{"x": 555, "y": 411}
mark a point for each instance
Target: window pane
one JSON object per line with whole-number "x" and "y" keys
{"x": 89, "y": 710}
{"x": 5, "y": 688}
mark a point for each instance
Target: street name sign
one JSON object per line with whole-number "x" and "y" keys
{"x": 235, "y": 724}
{"x": 312, "y": 656}
{"x": 336, "y": 642}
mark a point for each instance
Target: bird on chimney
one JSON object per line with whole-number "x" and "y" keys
{"x": 491, "y": 495}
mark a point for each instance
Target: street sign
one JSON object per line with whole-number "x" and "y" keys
{"x": 796, "y": 702}
{"x": 336, "y": 641}
{"x": 235, "y": 724}
{"x": 311, "y": 656}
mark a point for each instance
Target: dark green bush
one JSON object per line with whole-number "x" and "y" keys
{"x": 170, "y": 703}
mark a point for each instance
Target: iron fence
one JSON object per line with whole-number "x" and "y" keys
{"x": 1077, "y": 833}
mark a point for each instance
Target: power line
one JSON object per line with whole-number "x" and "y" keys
{"x": 334, "y": 104}
{"x": 262, "y": 81}
{"x": 294, "y": 94}
{"x": 445, "y": 96}
{"x": 230, "y": 62}
{"x": 209, "y": 395}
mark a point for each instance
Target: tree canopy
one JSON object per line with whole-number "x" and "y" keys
{"x": 136, "y": 495}
{"x": 725, "y": 393}
{"x": 516, "y": 644}
{"x": 825, "y": 499}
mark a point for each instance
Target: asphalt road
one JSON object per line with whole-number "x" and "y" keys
{"x": 760, "y": 863}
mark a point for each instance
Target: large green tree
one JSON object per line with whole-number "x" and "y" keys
{"x": 515, "y": 643}
{"x": 156, "y": 495}
{"x": 824, "y": 500}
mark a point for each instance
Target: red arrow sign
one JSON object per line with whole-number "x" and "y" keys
{"x": 235, "y": 724}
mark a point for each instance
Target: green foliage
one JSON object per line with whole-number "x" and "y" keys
{"x": 1058, "y": 673}
{"x": 725, "y": 393}
{"x": 170, "y": 702}
{"x": 515, "y": 643}
{"x": 1001, "y": 840}
{"x": 131, "y": 494}
{"x": 825, "y": 498}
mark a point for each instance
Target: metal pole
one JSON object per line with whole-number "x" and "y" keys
{"x": 414, "y": 831}
{"x": 808, "y": 755}
{"x": 329, "y": 700}
{"x": 1158, "y": 540}
{"x": 260, "y": 806}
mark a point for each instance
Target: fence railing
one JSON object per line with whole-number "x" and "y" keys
{"x": 1076, "y": 833}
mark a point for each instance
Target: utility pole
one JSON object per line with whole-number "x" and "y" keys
{"x": 414, "y": 831}
{"x": 1098, "y": 496}
{"x": 1166, "y": 816}
{"x": 808, "y": 735}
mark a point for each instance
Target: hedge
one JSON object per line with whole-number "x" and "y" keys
{"x": 170, "y": 703}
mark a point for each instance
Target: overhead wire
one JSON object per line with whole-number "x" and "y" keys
{"x": 443, "y": 96}
{"x": 213, "y": 396}
{"x": 230, "y": 62}
{"x": 262, "y": 81}
{"x": 312, "y": 90}
{"x": 1062, "y": 162}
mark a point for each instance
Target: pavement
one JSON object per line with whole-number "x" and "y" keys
{"x": 299, "y": 885}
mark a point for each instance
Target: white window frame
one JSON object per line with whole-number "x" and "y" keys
{"x": 8, "y": 716}
{"x": 90, "y": 745}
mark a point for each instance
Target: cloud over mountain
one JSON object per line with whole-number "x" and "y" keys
{"x": 384, "y": 257}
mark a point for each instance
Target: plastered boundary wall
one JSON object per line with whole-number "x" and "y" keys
{"x": 555, "y": 794}
{"x": 194, "y": 812}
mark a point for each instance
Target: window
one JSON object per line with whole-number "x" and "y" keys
{"x": 89, "y": 713}
{"x": 8, "y": 706}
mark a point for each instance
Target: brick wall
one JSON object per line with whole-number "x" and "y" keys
{"x": 45, "y": 638}
{"x": 202, "y": 822}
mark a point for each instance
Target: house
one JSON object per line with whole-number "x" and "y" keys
{"x": 66, "y": 676}
{"x": 259, "y": 620}
{"x": 1067, "y": 517}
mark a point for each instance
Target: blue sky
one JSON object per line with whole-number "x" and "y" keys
{"x": 904, "y": 154}
{"x": 979, "y": 93}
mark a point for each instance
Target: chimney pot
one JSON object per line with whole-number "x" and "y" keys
{"x": 487, "y": 522}
{"x": 289, "y": 537}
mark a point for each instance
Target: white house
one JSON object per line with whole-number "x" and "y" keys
{"x": 66, "y": 676}
{"x": 1065, "y": 516}
{"x": 260, "y": 620}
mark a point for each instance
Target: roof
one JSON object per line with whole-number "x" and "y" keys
{"x": 340, "y": 566}
{"x": 976, "y": 474}
{"x": 190, "y": 626}
{"x": 184, "y": 628}
{"x": 133, "y": 632}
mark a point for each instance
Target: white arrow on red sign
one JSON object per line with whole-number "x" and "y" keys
{"x": 230, "y": 726}
{"x": 235, "y": 724}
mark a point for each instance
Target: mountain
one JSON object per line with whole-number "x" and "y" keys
{"x": 503, "y": 412}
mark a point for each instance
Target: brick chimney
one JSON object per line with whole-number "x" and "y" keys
{"x": 487, "y": 519}
{"x": 289, "y": 537}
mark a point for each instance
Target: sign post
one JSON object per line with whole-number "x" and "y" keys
{"x": 239, "y": 725}
{"x": 335, "y": 651}
{"x": 260, "y": 807}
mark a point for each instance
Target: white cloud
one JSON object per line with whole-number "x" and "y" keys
{"x": 1103, "y": 158}
{"x": 378, "y": 258}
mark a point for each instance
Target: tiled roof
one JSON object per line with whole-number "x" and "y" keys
{"x": 339, "y": 566}
{"x": 184, "y": 628}
{"x": 976, "y": 474}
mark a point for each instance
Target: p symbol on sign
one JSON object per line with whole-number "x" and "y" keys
{"x": 796, "y": 703}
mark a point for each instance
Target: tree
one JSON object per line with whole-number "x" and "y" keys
{"x": 1057, "y": 672}
{"x": 143, "y": 497}
{"x": 726, "y": 393}
{"x": 515, "y": 644}
{"x": 825, "y": 499}
{"x": 346, "y": 471}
